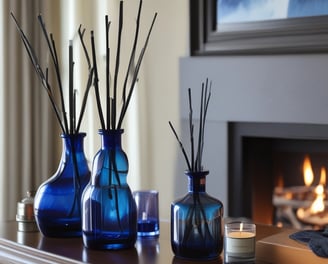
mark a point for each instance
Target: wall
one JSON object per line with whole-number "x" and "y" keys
{"x": 277, "y": 88}
{"x": 158, "y": 99}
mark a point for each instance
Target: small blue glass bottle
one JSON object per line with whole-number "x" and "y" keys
{"x": 57, "y": 203}
{"x": 109, "y": 214}
{"x": 196, "y": 222}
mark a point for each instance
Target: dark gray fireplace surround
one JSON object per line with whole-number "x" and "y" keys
{"x": 280, "y": 95}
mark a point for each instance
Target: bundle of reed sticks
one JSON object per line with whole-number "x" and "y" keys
{"x": 194, "y": 161}
{"x": 68, "y": 124}
{"x": 114, "y": 119}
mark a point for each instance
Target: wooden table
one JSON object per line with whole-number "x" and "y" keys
{"x": 41, "y": 249}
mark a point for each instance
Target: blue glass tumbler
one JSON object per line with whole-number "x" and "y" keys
{"x": 147, "y": 213}
{"x": 109, "y": 214}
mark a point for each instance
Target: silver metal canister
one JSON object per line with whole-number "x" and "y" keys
{"x": 25, "y": 214}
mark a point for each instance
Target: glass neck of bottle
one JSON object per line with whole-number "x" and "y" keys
{"x": 197, "y": 183}
{"x": 73, "y": 142}
{"x": 111, "y": 138}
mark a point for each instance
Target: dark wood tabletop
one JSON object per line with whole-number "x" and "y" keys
{"x": 151, "y": 250}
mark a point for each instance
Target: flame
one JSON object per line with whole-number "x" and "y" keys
{"x": 307, "y": 171}
{"x": 323, "y": 176}
{"x": 318, "y": 205}
{"x": 241, "y": 227}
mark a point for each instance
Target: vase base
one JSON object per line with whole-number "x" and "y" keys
{"x": 196, "y": 253}
{"x": 104, "y": 242}
{"x": 60, "y": 233}
{"x": 198, "y": 258}
{"x": 60, "y": 227}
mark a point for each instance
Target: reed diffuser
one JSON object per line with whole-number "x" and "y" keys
{"x": 57, "y": 201}
{"x": 108, "y": 208}
{"x": 196, "y": 219}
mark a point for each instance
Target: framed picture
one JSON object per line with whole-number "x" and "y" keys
{"x": 258, "y": 26}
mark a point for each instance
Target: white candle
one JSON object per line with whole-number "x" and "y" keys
{"x": 239, "y": 242}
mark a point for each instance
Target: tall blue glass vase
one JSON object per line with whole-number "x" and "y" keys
{"x": 57, "y": 203}
{"x": 109, "y": 211}
{"x": 196, "y": 222}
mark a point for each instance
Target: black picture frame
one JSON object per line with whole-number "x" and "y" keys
{"x": 292, "y": 35}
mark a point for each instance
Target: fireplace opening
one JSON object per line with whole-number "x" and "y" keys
{"x": 264, "y": 157}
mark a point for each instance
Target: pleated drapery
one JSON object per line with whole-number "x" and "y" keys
{"x": 29, "y": 132}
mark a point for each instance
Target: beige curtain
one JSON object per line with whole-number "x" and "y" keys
{"x": 29, "y": 131}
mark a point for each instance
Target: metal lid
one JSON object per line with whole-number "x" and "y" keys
{"x": 25, "y": 213}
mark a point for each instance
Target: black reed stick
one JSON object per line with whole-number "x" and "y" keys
{"x": 132, "y": 56}
{"x": 84, "y": 101}
{"x": 181, "y": 146}
{"x": 53, "y": 52}
{"x": 198, "y": 155}
{"x": 89, "y": 82}
{"x": 107, "y": 71}
{"x": 70, "y": 86}
{"x": 191, "y": 130}
{"x": 117, "y": 66}
{"x": 96, "y": 81}
{"x": 81, "y": 35}
{"x": 206, "y": 103}
{"x": 135, "y": 75}
{"x": 74, "y": 111}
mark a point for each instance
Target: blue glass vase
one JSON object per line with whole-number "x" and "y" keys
{"x": 57, "y": 203}
{"x": 109, "y": 211}
{"x": 196, "y": 222}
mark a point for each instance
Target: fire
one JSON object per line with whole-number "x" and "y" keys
{"x": 307, "y": 171}
{"x": 314, "y": 213}
{"x": 318, "y": 205}
{"x": 323, "y": 176}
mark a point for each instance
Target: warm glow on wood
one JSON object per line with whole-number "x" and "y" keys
{"x": 307, "y": 171}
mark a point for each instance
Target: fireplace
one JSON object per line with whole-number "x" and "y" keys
{"x": 265, "y": 155}
{"x": 270, "y": 90}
